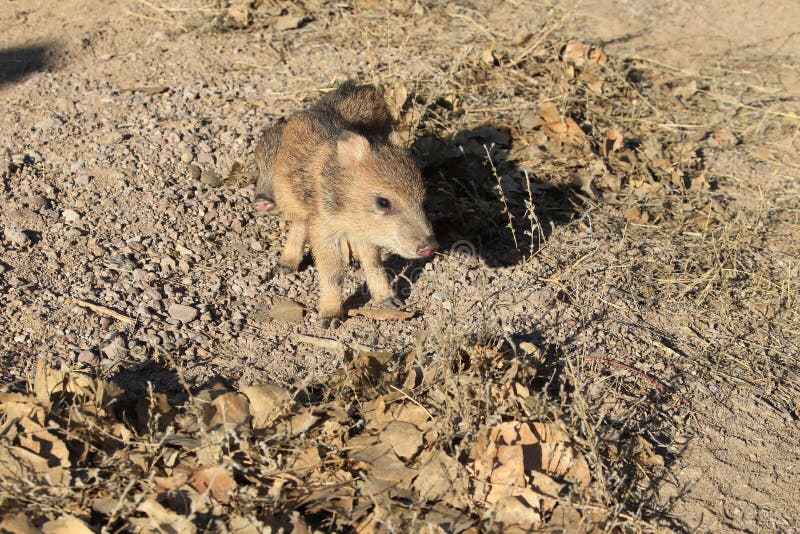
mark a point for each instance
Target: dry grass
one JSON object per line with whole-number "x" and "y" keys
{"x": 505, "y": 177}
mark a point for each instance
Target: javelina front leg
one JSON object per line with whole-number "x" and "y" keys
{"x": 330, "y": 269}
{"x": 377, "y": 281}
{"x": 293, "y": 249}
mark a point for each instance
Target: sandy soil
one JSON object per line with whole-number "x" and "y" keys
{"x": 103, "y": 107}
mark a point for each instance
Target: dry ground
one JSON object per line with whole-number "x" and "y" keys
{"x": 649, "y": 287}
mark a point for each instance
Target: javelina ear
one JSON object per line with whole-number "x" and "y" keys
{"x": 351, "y": 148}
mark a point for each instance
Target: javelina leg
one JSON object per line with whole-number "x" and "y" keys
{"x": 293, "y": 249}
{"x": 349, "y": 254}
{"x": 377, "y": 281}
{"x": 330, "y": 269}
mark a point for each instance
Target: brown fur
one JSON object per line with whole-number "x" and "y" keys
{"x": 333, "y": 164}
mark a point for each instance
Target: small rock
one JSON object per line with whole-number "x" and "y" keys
{"x": 194, "y": 171}
{"x": 88, "y": 357}
{"x": 287, "y": 310}
{"x": 37, "y": 202}
{"x": 187, "y": 156}
{"x": 112, "y": 138}
{"x": 116, "y": 349}
{"x": 210, "y": 178}
{"x": 17, "y": 236}
{"x": 71, "y": 215}
{"x": 182, "y": 313}
{"x": 48, "y": 124}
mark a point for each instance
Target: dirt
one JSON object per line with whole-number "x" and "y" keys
{"x": 113, "y": 119}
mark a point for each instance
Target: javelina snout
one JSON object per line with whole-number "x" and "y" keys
{"x": 386, "y": 195}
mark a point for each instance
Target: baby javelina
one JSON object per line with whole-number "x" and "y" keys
{"x": 337, "y": 177}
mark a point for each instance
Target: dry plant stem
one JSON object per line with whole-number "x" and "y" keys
{"x": 103, "y": 310}
{"x": 502, "y": 195}
{"x": 661, "y": 386}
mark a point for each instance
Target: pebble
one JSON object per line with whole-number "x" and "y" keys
{"x": 182, "y": 313}
{"x": 88, "y": 357}
{"x": 187, "y": 156}
{"x": 71, "y": 215}
{"x": 116, "y": 349}
{"x": 211, "y": 178}
{"x": 287, "y": 310}
{"x": 17, "y": 236}
{"x": 48, "y": 124}
{"x": 195, "y": 171}
{"x": 112, "y": 138}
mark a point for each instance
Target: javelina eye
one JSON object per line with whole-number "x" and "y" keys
{"x": 383, "y": 203}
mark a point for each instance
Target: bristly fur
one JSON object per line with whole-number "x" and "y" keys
{"x": 330, "y": 169}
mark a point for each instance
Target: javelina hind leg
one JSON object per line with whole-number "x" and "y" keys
{"x": 330, "y": 270}
{"x": 377, "y": 280}
{"x": 293, "y": 249}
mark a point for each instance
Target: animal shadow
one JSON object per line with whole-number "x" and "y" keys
{"x": 18, "y": 62}
{"x": 482, "y": 203}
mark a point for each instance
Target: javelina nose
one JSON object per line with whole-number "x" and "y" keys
{"x": 428, "y": 246}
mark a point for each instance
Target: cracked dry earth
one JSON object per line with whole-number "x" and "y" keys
{"x": 109, "y": 145}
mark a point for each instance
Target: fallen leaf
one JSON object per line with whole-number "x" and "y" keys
{"x": 66, "y": 525}
{"x": 515, "y": 515}
{"x": 229, "y": 410}
{"x": 438, "y": 476}
{"x": 549, "y": 113}
{"x": 612, "y": 142}
{"x": 382, "y": 462}
{"x": 216, "y": 481}
{"x": 265, "y": 402}
{"x": 405, "y": 438}
{"x": 18, "y": 524}
{"x": 163, "y": 519}
{"x": 288, "y": 22}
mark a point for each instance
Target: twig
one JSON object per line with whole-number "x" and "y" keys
{"x": 104, "y": 311}
{"x": 659, "y": 385}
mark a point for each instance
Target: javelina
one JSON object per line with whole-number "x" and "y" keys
{"x": 337, "y": 177}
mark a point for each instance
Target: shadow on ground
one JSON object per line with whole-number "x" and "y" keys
{"x": 482, "y": 203}
{"x": 19, "y": 61}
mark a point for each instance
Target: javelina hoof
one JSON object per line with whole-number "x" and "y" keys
{"x": 263, "y": 203}
{"x": 330, "y": 322}
{"x": 282, "y": 269}
{"x": 392, "y": 303}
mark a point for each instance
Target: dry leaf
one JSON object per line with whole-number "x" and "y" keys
{"x": 266, "y": 400}
{"x": 66, "y": 525}
{"x": 405, "y": 438}
{"x": 382, "y": 462}
{"x": 216, "y": 481}
{"x": 438, "y": 476}
{"x": 578, "y": 54}
{"x": 612, "y": 142}
{"x": 515, "y": 515}
{"x": 229, "y": 410}
{"x": 549, "y": 113}
{"x": 163, "y": 519}
{"x": 288, "y": 22}
{"x": 18, "y": 524}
